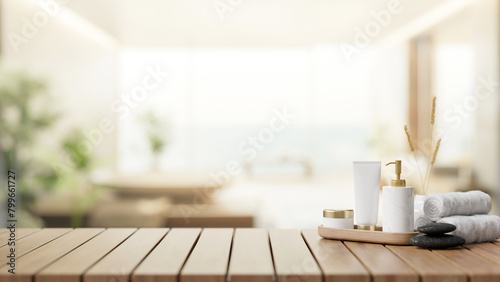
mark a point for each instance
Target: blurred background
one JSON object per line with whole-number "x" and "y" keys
{"x": 240, "y": 113}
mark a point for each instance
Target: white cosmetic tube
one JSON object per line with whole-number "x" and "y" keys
{"x": 366, "y": 193}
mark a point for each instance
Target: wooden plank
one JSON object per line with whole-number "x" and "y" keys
{"x": 382, "y": 263}
{"x": 119, "y": 264}
{"x": 335, "y": 260}
{"x": 21, "y": 233}
{"x": 487, "y": 250}
{"x": 28, "y": 265}
{"x": 71, "y": 267}
{"x": 30, "y": 243}
{"x": 430, "y": 267}
{"x": 251, "y": 258}
{"x": 292, "y": 259}
{"x": 477, "y": 268}
{"x": 165, "y": 262}
{"x": 210, "y": 257}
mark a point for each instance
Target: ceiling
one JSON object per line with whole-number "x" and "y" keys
{"x": 250, "y": 23}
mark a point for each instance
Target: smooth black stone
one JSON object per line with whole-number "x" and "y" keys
{"x": 437, "y": 241}
{"x": 436, "y": 228}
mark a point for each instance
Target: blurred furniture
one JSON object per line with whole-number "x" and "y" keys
{"x": 59, "y": 210}
{"x": 178, "y": 187}
{"x": 211, "y": 215}
{"x": 129, "y": 213}
{"x": 112, "y": 211}
{"x": 108, "y": 211}
{"x": 225, "y": 254}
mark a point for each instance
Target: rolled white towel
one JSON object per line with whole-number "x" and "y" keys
{"x": 437, "y": 206}
{"x": 475, "y": 228}
{"x": 422, "y": 220}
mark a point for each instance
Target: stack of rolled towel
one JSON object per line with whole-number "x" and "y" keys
{"x": 468, "y": 211}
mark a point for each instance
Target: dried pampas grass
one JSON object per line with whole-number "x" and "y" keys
{"x": 409, "y": 139}
{"x": 432, "y": 157}
{"x": 435, "y": 152}
{"x": 413, "y": 151}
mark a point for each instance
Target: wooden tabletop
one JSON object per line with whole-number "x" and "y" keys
{"x": 242, "y": 254}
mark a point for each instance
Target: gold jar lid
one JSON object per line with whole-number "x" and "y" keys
{"x": 328, "y": 213}
{"x": 367, "y": 227}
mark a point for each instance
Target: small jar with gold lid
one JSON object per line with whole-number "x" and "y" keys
{"x": 338, "y": 218}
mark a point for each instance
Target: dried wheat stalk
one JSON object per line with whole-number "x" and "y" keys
{"x": 432, "y": 157}
{"x": 414, "y": 155}
{"x": 433, "y": 119}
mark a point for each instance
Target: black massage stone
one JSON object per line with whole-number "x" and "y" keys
{"x": 436, "y": 228}
{"x": 437, "y": 241}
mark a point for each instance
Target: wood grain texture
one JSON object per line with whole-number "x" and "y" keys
{"x": 21, "y": 233}
{"x": 210, "y": 257}
{"x": 30, "y": 243}
{"x": 367, "y": 236}
{"x": 430, "y": 267}
{"x": 165, "y": 262}
{"x": 71, "y": 267}
{"x": 251, "y": 258}
{"x": 119, "y": 264}
{"x": 292, "y": 259}
{"x": 477, "y": 268}
{"x": 148, "y": 255}
{"x": 487, "y": 250}
{"x": 31, "y": 263}
{"x": 382, "y": 263}
{"x": 335, "y": 260}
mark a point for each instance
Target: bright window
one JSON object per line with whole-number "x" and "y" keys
{"x": 217, "y": 97}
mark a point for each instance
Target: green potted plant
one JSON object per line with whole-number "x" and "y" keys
{"x": 157, "y": 133}
{"x": 25, "y": 113}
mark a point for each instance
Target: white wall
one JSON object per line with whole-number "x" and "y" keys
{"x": 76, "y": 58}
{"x": 467, "y": 45}
{"x": 487, "y": 150}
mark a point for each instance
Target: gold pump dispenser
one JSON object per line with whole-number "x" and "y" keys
{"x": 398, "y": 182}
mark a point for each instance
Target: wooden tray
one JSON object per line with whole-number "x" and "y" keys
{"x": 378, "y": 237}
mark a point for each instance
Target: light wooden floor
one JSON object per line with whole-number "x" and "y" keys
{"x": 217, "y": 254}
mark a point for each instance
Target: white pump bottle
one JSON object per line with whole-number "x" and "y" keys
{"x": 397, "y": 201}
